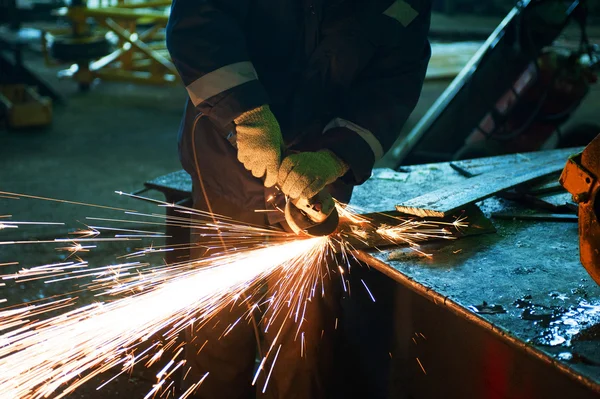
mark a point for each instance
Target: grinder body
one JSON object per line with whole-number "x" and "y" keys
{"x": 316, "y": 216}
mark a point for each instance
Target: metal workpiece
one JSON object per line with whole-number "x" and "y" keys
{"x": 531, "y": 294}
{"x": 447, "y": 199}
{"x": 387, "y": 188}
{"x": 511, "y": 314}
{"x": 580, "y": 177}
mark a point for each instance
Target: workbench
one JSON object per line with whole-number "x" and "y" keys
{"x": 506, "y": 315}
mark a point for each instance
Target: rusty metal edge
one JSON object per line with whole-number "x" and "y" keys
{"x": 457, "y": 309}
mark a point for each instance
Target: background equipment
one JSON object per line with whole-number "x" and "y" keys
{"x": 515, "y": 93}
{"x": 124, "y": 42}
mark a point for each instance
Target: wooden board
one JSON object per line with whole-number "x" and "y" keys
{"x": 446, "y": 200}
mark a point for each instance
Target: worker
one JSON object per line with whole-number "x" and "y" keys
{"x": 298, "y": 95}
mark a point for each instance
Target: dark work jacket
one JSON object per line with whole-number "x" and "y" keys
{"x": 337, "y": 74}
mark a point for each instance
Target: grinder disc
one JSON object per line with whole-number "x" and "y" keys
{"x": 300, "y": 223}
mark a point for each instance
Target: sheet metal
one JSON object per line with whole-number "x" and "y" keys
{"x": 524, "y": 284}
{"x": 447, "y": 199}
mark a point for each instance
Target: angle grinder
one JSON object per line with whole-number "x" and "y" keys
{"x": 315, "y": 217}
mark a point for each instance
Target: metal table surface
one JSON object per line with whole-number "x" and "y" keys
{"x": 524, "y": 285}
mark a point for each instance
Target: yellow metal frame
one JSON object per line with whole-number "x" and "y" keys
{"x": 140, "y": 57}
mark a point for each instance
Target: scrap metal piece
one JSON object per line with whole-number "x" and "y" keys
{"x": 446, "y": 200}
{"x": 580, "y": 177}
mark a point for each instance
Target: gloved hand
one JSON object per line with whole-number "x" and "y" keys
{"x": 259, "y": 143}
{"x": 307, "y": 173}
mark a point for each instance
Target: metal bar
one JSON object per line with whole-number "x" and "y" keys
{"x": 476, "y": 90}
{"x": 417, "y": 132}
{"x": 127, "y": 57}
{"x": 115, "y": 55}
{"x": 446, "y": 200}
{"x": 488, "y": 164}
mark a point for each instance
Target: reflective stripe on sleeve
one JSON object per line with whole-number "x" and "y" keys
{"x": 220, "y": 80}
{"x": 362, "y": 132}
{"x": 402, "y": 12}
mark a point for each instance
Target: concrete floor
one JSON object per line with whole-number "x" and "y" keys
{"x": 113, "y": 138}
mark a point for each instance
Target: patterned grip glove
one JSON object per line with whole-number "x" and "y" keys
{"x": 259, "y": 143}
{"x": 307, "y": 173}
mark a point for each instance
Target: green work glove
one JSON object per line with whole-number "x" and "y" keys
{"x": 307, "y": 173}
{"x": 259, "y": 143}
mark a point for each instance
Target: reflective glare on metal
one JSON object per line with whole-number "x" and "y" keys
{"x": 51, "y": 346}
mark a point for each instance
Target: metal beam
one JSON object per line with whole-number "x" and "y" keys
{"x": 449, "y": 199}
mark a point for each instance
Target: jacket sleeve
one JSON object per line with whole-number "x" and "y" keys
{"x": 208, "y": 47}
{"x": 378, "y": 102}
